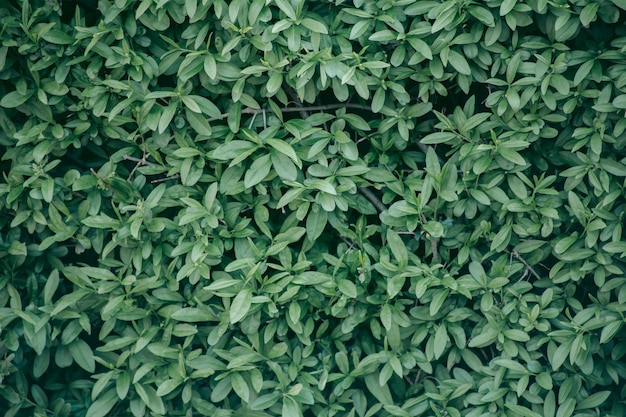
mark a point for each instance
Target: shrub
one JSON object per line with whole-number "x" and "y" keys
{"x": 312, "y": 208}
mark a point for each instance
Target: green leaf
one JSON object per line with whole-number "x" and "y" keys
{"x": 69, "y": 300}
{"x": 609, "y": 330}
{"x": 291, "y": 407}
{"x": 166, "y": 117}
{"x": 149, "y": 396}
{"x": 312, "y": 278}
{"x": 614, "y": 167}
{"x": 378, "y": 101}
{"x": 512, "y": 365}
{"x": 315, "y": 223}
{"x": 437, "y": 138}
{"x": 122, "y": 385}
{"x": 265, "y": 401}
{"x": 566, "y": 409}
{"x": 484, "y": 339}
{"x": 83, "y": 355}
{"x": 521, "y": 410}
{"x": 439, "y": 298}
{"x": 588, "y": 14}
{"x": 259, "y": 169}
{"x": 507, "y": 6}
{"x": 168, "y": 386}
{"x": 433, "y": 228}
{"x": 286, "y": 8}
{"x": 421, "y": 47}
{"x": 544, "y": 380}
{"x": 620, "y": 3}
{"x": 322, "y": 185}
{"x": 284, "y": 148}
{"x": 314, "y": 25}
{"x": 596, "y": 399}
{"x": 232, "y": 149}
{"x": 240, "y": 305}
{"x": 564, "y": 244}
{"x": 192, "y": 315}
{"x": 347, "y": 287}
{"x": 14, "y": 99}
{"x": 559, "y": 355}
{"x": 186, "y": 152}
{"x": 482, "y": 14}
{"x": 58, "y": 37}
{"x": 459, "y": 62}
{"x": 397, "y": 248}
{"x": 512, "y": 156}
{"x": 240, "y": 386}
{"x": 104, "y": 404}
{"x": 440, "y": 341}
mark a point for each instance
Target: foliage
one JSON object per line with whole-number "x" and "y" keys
{"x": 312, "y": 208}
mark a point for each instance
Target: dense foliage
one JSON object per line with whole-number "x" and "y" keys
{"x": 312, "y": 208}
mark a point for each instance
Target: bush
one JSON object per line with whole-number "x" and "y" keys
{"x": 312, "y": 208}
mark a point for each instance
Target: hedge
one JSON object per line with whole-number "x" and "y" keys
{"x": 312, "y": 208}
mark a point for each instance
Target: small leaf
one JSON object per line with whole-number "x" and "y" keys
{"x": 397, "y": 248}
{"x": 257, "y": 171}
{"x": 82, "y": 354}
{"x": 610, "y": 330}
{"x": 168, "y": 386}
{"x": 482, "y": 14}
{"x": 284, "y": 148}
{"x": 521, "y": 410}
{"x": 14, "y": 99}
{"x": 347, "y": 287}
{"x": 594, "y": 400}
{"x": 434, "y": 228}
{"x": 314, "y": 25}
{"x": 58, "y": 37}
{"x": 240, "y": 305}
{"x": 166, "y": 117}
{"x": 566, "y": 409}
{"x": 287, "y": 8}
{"x": 149, "y": 396}
{"x": 291, "y": 407}
{"x": 102, "y": 406}
{"x": 459, "y": 62}
{"x": 192, "y": 315}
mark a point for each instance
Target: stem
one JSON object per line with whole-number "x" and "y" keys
{"x": 435, "y": 251}
{"x": 380, "y": 206}
{"x": 526, "y": 264}
{"x": 173, "y": 177}
{"x": 300, "y": 109}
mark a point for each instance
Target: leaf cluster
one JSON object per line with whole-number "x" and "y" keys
{"x": 312, "y": 208}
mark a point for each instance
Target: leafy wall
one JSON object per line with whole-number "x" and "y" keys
{"x": 312, "y": 208}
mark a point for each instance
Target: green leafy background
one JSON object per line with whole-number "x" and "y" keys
{"x": 312, "y": 208}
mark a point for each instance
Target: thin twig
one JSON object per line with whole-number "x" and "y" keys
{"x": 141, "y": 161}
{"x": 435, "y": 250}
{"x": 165, "y": 179}
{"x": 336, "y": 106}
{"x": 304, "y": 113}
{"x": 529, "y": 268}
{"x": 380, "y": 206}
{"x": 138, "y": 161}
{"x": 350, "y": 244}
